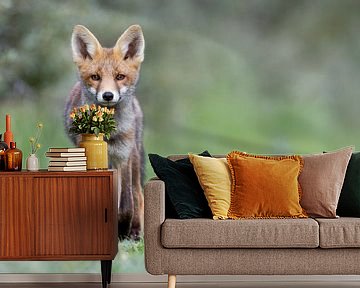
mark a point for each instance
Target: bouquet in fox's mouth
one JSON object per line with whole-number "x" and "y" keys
{"x": 92, "y": 120}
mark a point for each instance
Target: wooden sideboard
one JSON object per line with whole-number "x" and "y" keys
{"x": 59, "y": 216}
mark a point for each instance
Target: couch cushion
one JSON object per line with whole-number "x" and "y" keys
{"x": 250, "y": 233}
{"x": 342, "y": 232}
{"x": 215, "y": 179}
{"x": 321, "y": 181}
{"x": 349, "y": 202}
{"x": 183, "y": 193}
{"x": 265, "y": 186}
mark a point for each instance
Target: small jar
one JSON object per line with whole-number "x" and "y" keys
{"x": 3, "y": 148}
{"x": 13, "y": 158}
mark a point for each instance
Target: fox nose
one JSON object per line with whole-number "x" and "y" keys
{"x": 108, "y": 96}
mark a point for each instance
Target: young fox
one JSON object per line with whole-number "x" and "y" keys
{"x": 107, "y": 77}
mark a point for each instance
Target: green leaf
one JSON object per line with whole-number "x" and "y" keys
{"x": 96, "y": 131}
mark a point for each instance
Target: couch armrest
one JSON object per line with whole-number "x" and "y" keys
{"x": 154, "y": 216}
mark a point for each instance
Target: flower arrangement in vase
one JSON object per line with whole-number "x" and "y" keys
{"x": 32, "y": 162}
{"x": 93, "y": 123}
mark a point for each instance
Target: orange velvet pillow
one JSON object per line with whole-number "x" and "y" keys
{"x": 265, "y": 187}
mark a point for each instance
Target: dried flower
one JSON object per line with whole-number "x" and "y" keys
{"x": 34, "y": 141}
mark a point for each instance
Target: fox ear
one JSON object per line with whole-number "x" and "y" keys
{"x": 131, "y": 44}
{"x": 84, "y": 44}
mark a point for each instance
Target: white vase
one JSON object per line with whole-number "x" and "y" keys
{"x": 32, "y": 163}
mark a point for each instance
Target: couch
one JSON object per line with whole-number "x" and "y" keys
{"x": 310, "y": 246}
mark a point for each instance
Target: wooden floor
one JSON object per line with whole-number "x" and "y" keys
{"x": 190, "y": 285}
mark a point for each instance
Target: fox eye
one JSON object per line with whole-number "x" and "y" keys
{"x": 95, "y": 77}
{"x": 120, "y": 77}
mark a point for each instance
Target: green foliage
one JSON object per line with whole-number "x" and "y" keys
{"x": 132, "y": 247}
{"x": 130, "y": 259}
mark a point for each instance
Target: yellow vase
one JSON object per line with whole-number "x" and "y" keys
{"x": 95, "y": 150}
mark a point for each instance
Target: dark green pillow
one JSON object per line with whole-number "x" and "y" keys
{"x": 184, "y": 197}
{"x": 349, "y": 202}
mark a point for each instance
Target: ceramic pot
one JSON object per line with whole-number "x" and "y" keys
{"x": 32, "y": 163}
{"x": 95, "y": 150}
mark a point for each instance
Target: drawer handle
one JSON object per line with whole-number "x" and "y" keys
{"x": 106, "y": 216}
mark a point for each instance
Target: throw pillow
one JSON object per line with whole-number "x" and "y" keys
{"x": 183, "y": 194}
{"x": 265, "y": 187}
{"x": 349, "y": 202}
{"x": 321, "y": 181}
{"x": 215, "y": 179}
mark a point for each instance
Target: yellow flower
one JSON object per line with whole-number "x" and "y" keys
{"x": 87, "y": 108}
{"x": 93, "y": 107}
{"x": 102, "y": 109}
{"x": 112, "y": 111}
{"x": 101, "y": 119}
{"x": 99, "y": 114}
{"x": 75, "y": 109}
{"x": 72, "y": 115}
{"x": 38, "y": 145}
{"x": 82, "y": 109}
{"x": 40, "y": 125}
{"x": 32, "y": 139}
{"x": 94, "y": 119}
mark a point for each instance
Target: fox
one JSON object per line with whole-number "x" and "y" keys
{"x": 108, "y": 77}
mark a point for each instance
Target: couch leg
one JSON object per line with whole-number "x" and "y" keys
{"x": 171, "y": 281}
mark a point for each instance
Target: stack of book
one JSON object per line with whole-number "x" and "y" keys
{"x": 66, "y": 159}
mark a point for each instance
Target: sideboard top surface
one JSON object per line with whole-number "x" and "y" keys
{"x": 45, "y": 173}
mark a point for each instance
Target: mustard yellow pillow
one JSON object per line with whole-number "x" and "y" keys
{"x": 265, "y": 187}
{"x": 215, "y": 179}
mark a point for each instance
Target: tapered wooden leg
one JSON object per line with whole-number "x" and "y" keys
{"x": 171, "y": 281}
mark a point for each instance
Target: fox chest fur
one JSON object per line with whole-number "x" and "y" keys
{"x": 129, "y": 119}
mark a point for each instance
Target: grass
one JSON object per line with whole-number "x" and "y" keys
{"x": 130, "y": 259}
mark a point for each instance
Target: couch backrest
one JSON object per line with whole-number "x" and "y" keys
{"x": 182, "y": 156}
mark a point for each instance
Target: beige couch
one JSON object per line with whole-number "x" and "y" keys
{"x": 246, "y": 247}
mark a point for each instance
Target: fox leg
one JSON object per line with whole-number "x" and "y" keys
{"x": 138, "y": 197}
{"x": 126, "y": 205}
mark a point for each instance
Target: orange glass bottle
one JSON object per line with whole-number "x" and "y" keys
{"x": 8, "y": 135}
{"x": 13, "y": 158}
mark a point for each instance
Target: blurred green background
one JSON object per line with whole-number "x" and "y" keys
{"x": 262, "y": 76}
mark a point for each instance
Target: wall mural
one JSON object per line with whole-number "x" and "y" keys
{"x": 257, "y": 76}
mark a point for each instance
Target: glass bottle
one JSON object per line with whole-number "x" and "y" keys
{"x": 13, "y": 158}
{"x": 8, "y": 135}
{"x": 3, "y": 148}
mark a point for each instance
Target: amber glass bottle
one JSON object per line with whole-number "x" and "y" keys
{"x": 13, "y": 158}
{"x": 3, "y": 148}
